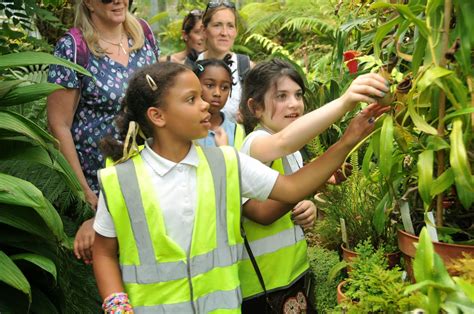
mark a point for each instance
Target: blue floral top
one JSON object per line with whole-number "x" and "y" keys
{"x": 101, "y": 96}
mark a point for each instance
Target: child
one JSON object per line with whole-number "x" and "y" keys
{"x": 168, "y": 224}
{"x": 272, "y": 99}
{"x": 216, "y": 83}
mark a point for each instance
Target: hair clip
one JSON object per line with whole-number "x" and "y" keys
{"x": 200, "y": 67}
{"x": 151, "y": 82}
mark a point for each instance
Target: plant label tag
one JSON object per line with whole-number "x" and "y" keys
{"x": 406, "y": 218}
{"x": 431, "y": 226}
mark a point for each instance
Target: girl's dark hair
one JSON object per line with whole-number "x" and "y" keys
{"x": 191, "y": 20}
{"x": 258, "y": 81}
{"x": 139, "y": 97}
{"x": 200, "y": 66}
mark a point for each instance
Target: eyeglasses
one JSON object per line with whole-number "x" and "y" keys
{"x": 195, "y": 12}
{"x": 217, "y": 3}
{"x": 106, "y": 1}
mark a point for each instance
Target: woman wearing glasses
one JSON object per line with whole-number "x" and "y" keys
{"x": 192, "y": 35}
{"x": 111, "y": 44}
{"x": 220, "y": 31}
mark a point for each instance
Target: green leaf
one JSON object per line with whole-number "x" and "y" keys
{"x": 22, "y": 218}
{"x": 24, "y": 94}
{"x": 41, "y": 261}
{"x": 382, "y": 31}
{"x": 367, "y": 160}
{"x": 423, "y": 262}
{"x": 466, "y": 287}
{"x": 386, "y": 147}
{"x": 419, "y": 53}
{"x": 460, "y": 165}
{"x": 7, "y": 86}
{"x": 12, "y": 275}
{"x": 419, "y": 122}
{"x": 19, "y": 192}
{"x": 458, "y": 113}
{"x": 16, "y": 123}
{"x": 425, "y": 176}
{"x": 436, "y": 143}
{"x": 430, "y": 76}
{"x": 442, "y": 183}
{"x": 31, "y": 58}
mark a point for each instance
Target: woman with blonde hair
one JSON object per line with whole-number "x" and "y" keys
{"x": 111, "y": 44}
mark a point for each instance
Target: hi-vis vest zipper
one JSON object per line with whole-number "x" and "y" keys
{"x": 157, "y": 274}
{"x": 279, "y": 249}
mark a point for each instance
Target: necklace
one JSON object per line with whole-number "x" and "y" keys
{"x": 119, "y": 45}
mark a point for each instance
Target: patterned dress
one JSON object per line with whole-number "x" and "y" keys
{"x": 101, "y": 97}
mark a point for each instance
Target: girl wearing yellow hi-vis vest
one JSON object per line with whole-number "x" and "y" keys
{"x": 273, "y": 268}
{"x": 168, "y": 236}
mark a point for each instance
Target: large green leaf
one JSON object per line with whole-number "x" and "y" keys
{"x": 418, "y": 120}
{"x": 425, "y": 176}
{"x": 42, "y": 262}
{"x": 12, "y": 275}
{"x": 19, "y": 192}
{"x": 52, "y": 159}
{"x": 16, "y": 123}
{"x": 423, "y": 263}
{"x": 430, "y": 76}
{"x": 24, "y": 219}
{"x": 25, "y": 94}
{"x": 7, "y": 86}
{"x": 459, "y": 162}
{"x": 31, "y": 58}
{"x": 386, "y": 147}
{"x": 464, "y": 27}
{"x": 41, "y": 303}
{"x": 442, "y": 183}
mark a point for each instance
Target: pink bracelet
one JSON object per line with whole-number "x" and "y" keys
{"x": 117, "y": 303}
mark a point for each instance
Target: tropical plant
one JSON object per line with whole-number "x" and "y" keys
{"x": 440, "y": 292}
{"x": 373, "y": 288}
{"x": 425, "y": 144}
{"x": 41, "y": 204}
{"x": 355, "y": 201}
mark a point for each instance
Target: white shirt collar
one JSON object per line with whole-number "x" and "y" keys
{"x": 162, "y": 165}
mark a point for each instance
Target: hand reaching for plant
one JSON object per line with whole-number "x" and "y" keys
{"x": 84, "y": 241}
{"x": 221, "y": 137}
{"x": 304, "y": 214}
{"x": 367, "y": 88}
{"x": 362, "y": 124}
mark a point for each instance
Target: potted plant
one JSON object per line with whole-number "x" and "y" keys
{"x": 374, "y": 288}
{"x": 440, "y": 292}
{"x": 424, "y": 147}
{"x": 351, "y": 215}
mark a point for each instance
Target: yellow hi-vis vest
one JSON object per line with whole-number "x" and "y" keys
{"x": 239, "y": 136}
{"x": 279, "y": 249}
{"x": 158, "y": 275}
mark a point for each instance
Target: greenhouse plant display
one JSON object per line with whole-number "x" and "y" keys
{"x": 424, "y": 148}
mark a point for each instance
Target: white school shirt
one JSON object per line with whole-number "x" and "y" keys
{"x": 295, "y": 159}
{"x": 175, "y": 186}
{"x": 232, "y": 104}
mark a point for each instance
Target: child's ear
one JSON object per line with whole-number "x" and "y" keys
{"x": 256, "y": 110}
{"x": 156, "y": 117}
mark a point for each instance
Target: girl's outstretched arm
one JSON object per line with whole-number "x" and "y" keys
{"x": 364, "y": 88}
{"x": 106, "y": 266}
{"x": 307, "y": 180}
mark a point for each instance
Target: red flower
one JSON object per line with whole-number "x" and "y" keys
{"x": 351, "y": 61}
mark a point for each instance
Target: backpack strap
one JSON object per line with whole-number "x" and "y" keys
{"x": 148, "y": 34}
{"x": 243, "y": 65}
{"x": 82, "y": 52}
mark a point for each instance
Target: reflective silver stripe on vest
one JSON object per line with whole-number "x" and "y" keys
{"x": 286, "y": 166}
{"x": 149, "y": 271}
{"x": 214, "y": 301}
{"x": 221, "y": 257}
{"x": 275, "y": 242}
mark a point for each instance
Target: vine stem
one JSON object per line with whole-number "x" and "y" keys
{"x": 448, "y": 6}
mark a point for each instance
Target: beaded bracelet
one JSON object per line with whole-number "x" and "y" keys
{"x": 117, "y": 303}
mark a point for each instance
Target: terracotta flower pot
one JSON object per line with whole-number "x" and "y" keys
{"x": 340, "y": 295}
{"x": 392, "y": 258}
{"x": 447, "y": 251}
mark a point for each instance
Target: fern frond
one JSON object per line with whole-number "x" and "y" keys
{"x": 268, "y": 45}
{"x": 309, "y": 24}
